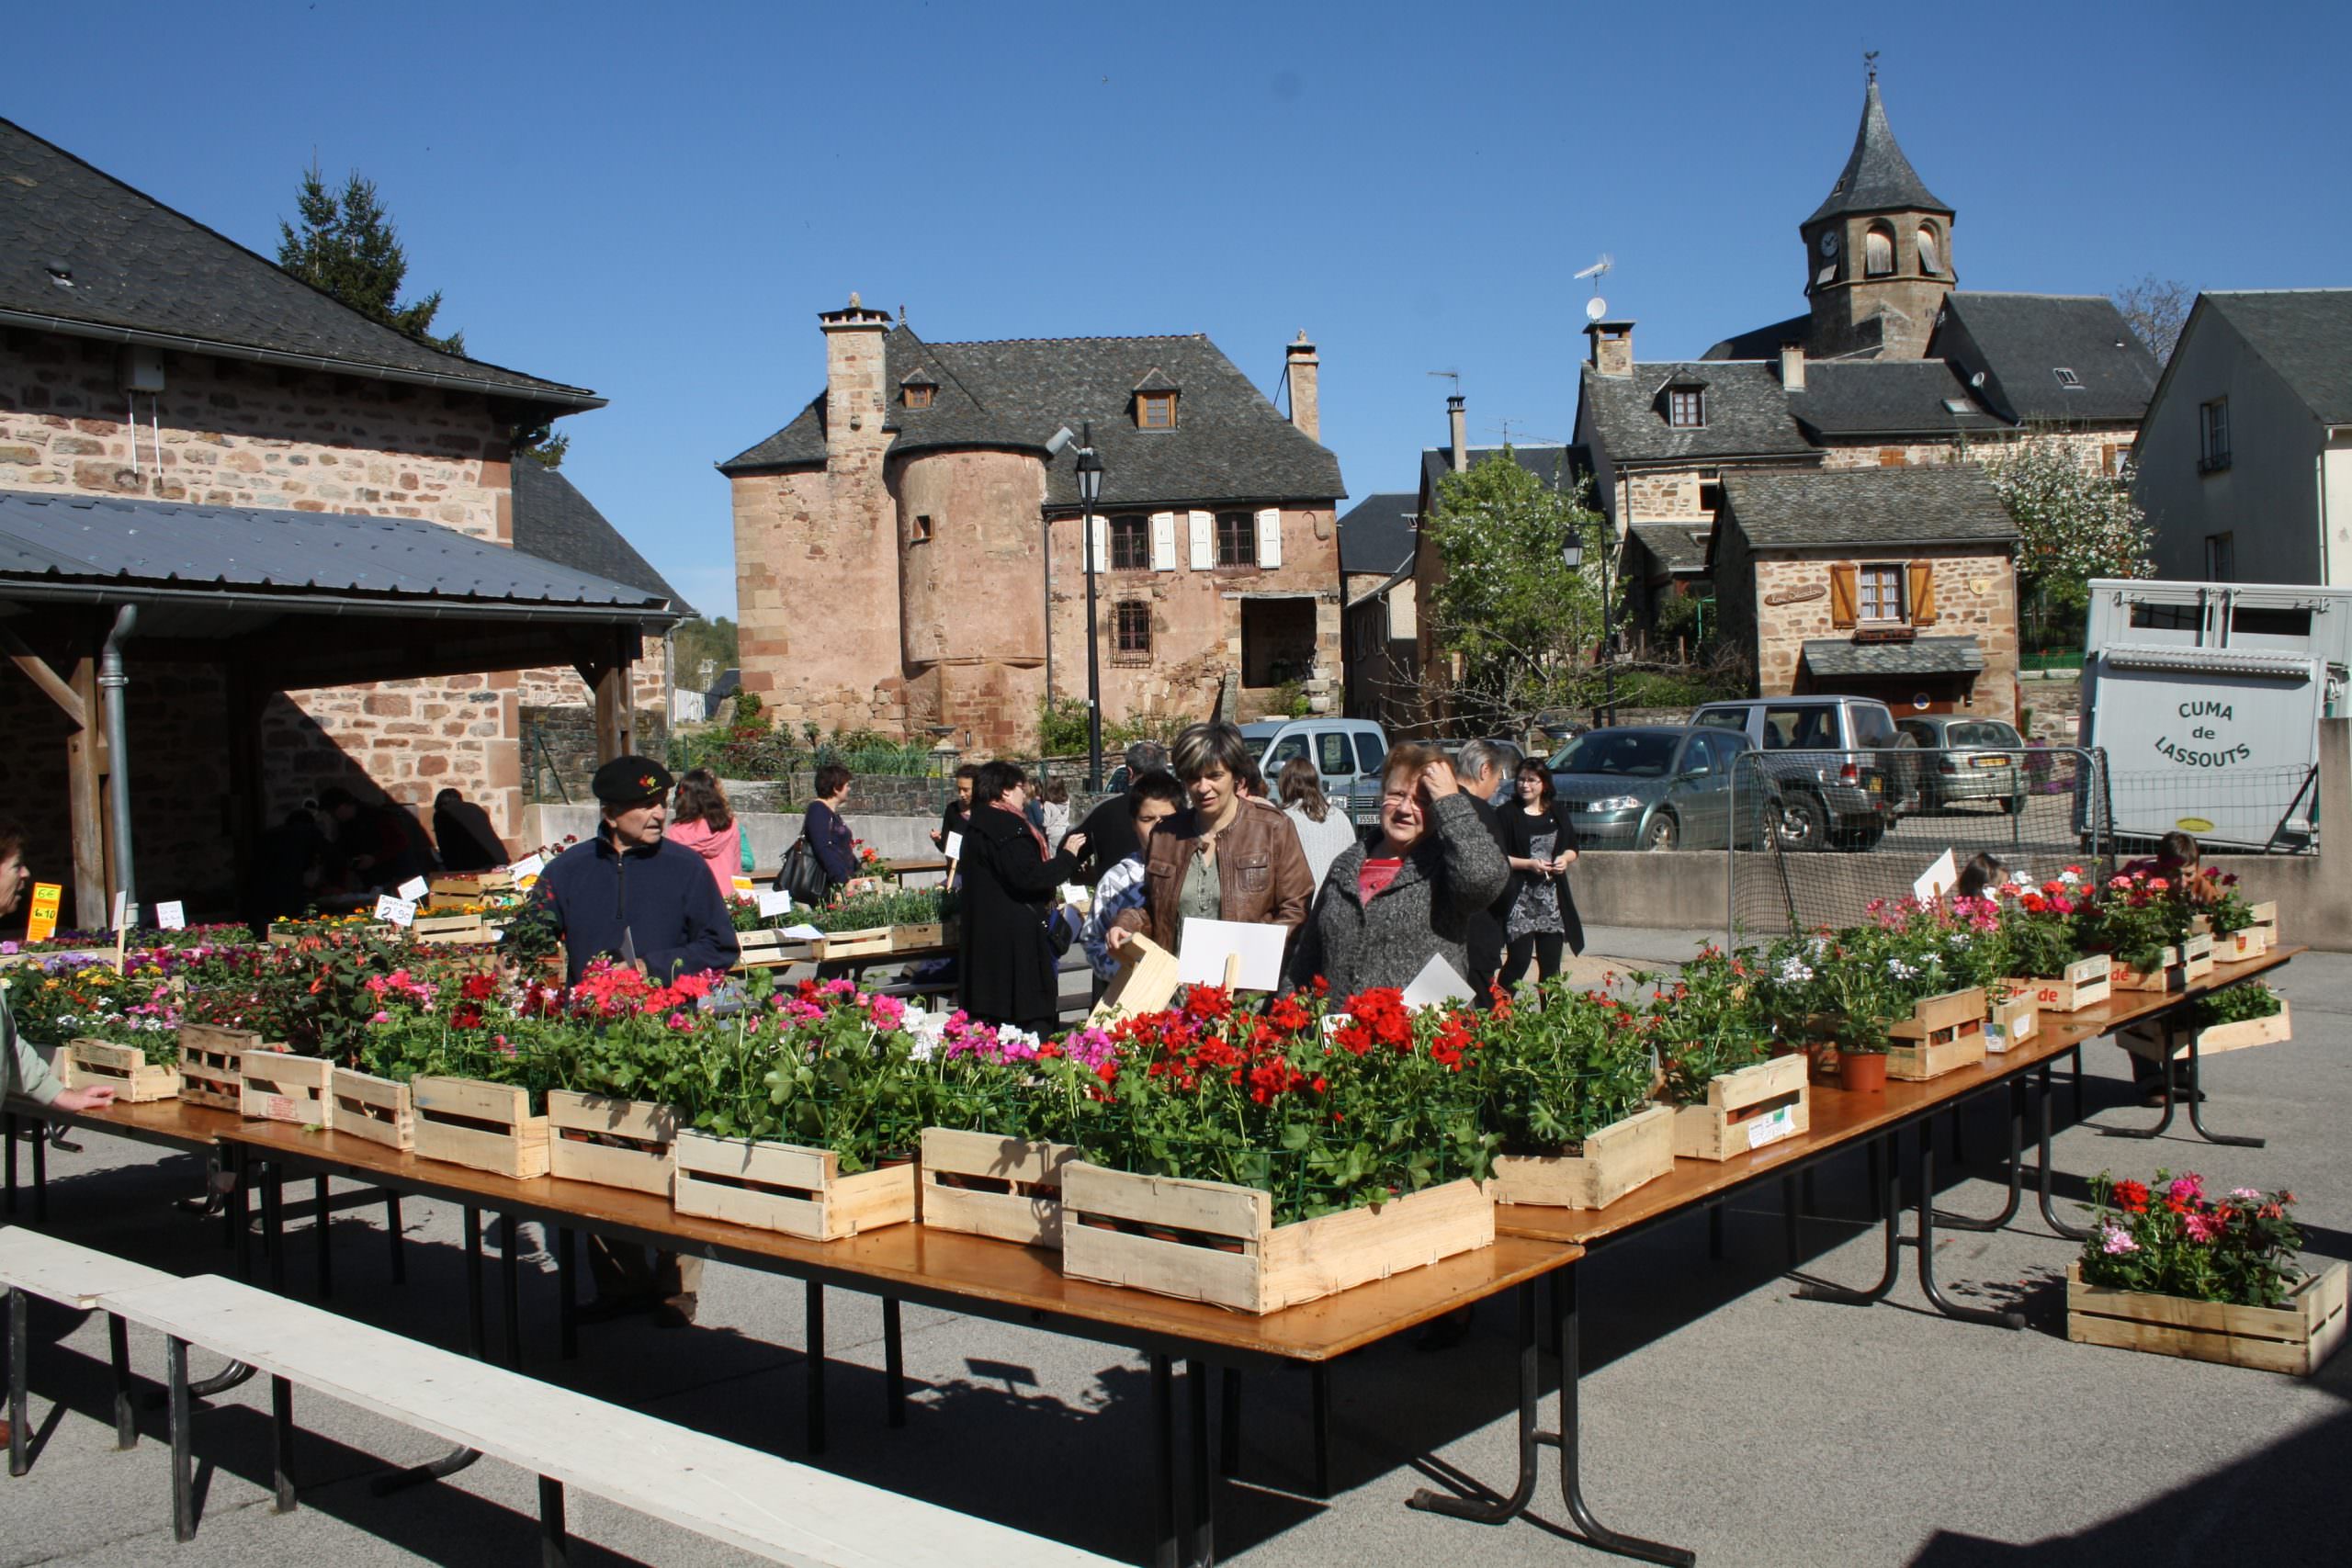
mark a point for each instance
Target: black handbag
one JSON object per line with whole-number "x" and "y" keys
{"x": 803, "y": 874}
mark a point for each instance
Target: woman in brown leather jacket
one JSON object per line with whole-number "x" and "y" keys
{"x": 1224, "y": 858}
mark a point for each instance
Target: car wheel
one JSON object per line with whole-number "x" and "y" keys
{"x": 1866, "y": 839}
{"x": 1662, "y": 832}
{"x": 1804, "y": 823}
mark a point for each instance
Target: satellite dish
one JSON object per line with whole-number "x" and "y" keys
{"x": 1595, "y": 308}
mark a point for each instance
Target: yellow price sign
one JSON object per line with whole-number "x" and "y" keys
{"x": 43, "y": 924}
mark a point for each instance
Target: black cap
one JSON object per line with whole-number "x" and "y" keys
{"x": 625, "y": 779}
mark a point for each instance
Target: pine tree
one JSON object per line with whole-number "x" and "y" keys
{"x": 349, "y": 247}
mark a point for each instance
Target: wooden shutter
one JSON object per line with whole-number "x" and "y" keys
{"x": 1269, "y": 537}
{"x": 1163, "y": 541}
{"x": 1922, "y": 593}
{"x": 1102, "y": 542}
{"x": 1203, "y": 542}
{"x": 1842, "y": 596}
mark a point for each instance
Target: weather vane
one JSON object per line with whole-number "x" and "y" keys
{"x": 1870, "y": 63}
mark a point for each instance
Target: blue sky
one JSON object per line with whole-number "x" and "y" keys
{"x": 656, "y": 201}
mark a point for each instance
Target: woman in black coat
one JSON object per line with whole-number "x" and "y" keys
{"x": 1008, "y": 966}
{"x": 1540, "y": 844}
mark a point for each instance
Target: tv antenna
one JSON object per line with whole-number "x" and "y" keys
{"x": 1596, "y": 307}
{"x": 1453, "y": 376}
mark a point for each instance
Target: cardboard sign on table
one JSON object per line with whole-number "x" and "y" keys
{"x": 399, "y": 911}
{"x": 1203, "y": 949}
{"x": 172, "y": 916}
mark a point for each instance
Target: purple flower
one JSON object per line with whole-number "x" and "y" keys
{"x": 2115, "y": 1241}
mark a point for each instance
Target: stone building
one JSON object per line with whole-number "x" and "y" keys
{"x": 1383, "y": 656}
{"x": 145, "y": 356}
{"x": 908, "y": 549}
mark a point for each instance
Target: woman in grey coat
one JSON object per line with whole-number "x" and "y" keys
{"x": 1385, "y": 912}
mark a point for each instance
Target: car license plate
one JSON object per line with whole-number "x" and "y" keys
{"x": 1993, "y": 761}
{"x": 1876, "y": 783}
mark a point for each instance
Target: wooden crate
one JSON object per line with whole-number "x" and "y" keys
{"x": 2238, "y": 946}
{"x": 484, "y": 1126}
{"x": 906, "y": 939}
{"x": 2169, "y": 974}
{"x": 788, "y": 1188}
{"x": 381, "y": 1110}
{"x": 2011, "y": 1019}
{"x": 102, "y": 1064}
{"x": 1942, "y": 1035}
{"x": 2148, "y": 1040}
{"x": 2265, "y": 920}
{"x": 2295, "y": 1339}
{"x": 613, "y": 1142}
{"x": 278, "y": 1086}
{"x": 212, "y": 1062}
{"x": 1610, "y": 1163}
{"x": 438, "y": 929}
{"x": 979, "y": 1184}
{"x": 472, "y": 887}
{"x": 2086, "y": 983}
{"x": 768, "y": 949}
{"x": 1146, "y": 983}
{"x": 850, "y": 944}
{"x": 1745, "y": 1109}
{"x": 2197, "y": 957}
{"x": 1209, "y": 1241}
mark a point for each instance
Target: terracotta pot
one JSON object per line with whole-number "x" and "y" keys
{"x": 1862, "y": 1072}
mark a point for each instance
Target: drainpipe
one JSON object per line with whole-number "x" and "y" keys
{"x": 111, "y": 681}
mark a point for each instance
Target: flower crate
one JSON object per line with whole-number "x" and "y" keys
{"x": 473, "y": 887}
{"x": 1745, "y": 1109}
{"x": 907, "y": 939}
{"x": 2148, "y": 1041}
{"x": 102, "y": 1064}
{"x": 2167, "y": 975}
{"x": 453, "y": 930}
{"x": 484, "y": 1126}
{"x": 212, "y": 1065}
{"x": 979, "y": 1184}
{"x": 2085, "y": 983}
{"x": 849, "y": 944}
{"x": 1942, "y": 1035}
{"x": 1145, "y": 983}
{"x": 767, "y": 948}
{"x": 612, "y": 1143}
{"x": 1609, "y": 1164}
{"x": 2238, "y": 946}
{"x": 381, "y": 1110}
{"x": 2265, "y": 920}
{"x": 2197, "y": 958}
{"x": 278, "y": 1086}
{"x": 2012, "y": 1018}
{"x": 786, "y": 1187}
{"x": 2296, "y": 1337}
{"x": 1209, "y": 1241}
{"x": 292, "y": 934}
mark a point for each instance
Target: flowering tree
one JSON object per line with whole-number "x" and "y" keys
{"x": 2074, "y": 520}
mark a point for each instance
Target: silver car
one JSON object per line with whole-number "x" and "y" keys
{"x": 1655, "y": 787}
{"x": 1968, "y": 759}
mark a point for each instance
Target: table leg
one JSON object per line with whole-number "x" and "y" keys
{"x": 1569, "y": 1438}
{"x": 1531, "y": 1392}
{"x": 240, "y": 1211}
{"x": 894, "y": 1365}
{"x": 1886, "y": 1200}
{"x": 2044, "y": 1093}
{"x": 40, "y": 1173}
{"x": 2076, "y": 1075}
{"x": 477, "y": 1329}
{"x": 1927, "y": 1244}
{"x": 126, "y": 1414}
{"x": 2017, "y": 1170}
{"x": 2197, "y": 1113}
{"x": 183, "y": 1459}
{"x": 393, "y": 1232}
{"x": 1230, "y": 1415}
{"x": 1877, "y": 1197}
{"x": 1163, "y": 1456}
{"x": 8, "y": 1121}
{"x": 281, "y": 1420}
{"x": 566, "y": 1299}
{"x": 510, "y": 1279}
{"x": 273, "y": 1210}
{"x": 19, "y": 1340}
{"x": 1789, "y": 1218}
{"x": 555, "y": 1545}
{"x": 816, "y": 1341}
{"x": 2163, "y": 1076}
{"x": 324, "y": 1238}
{"x": 1319, "y": 1395}
{"x": 1203, "y": 1550}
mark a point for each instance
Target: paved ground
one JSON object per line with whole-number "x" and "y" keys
{"x": 1720, "y": 1412}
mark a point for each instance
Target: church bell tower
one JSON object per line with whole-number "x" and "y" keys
{"x": 1878, "y": 250}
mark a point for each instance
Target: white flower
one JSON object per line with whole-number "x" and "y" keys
{"x": 1795, "y": 972}
{"x": 1900, "y": 970}
{"x": 2070, "y": 878}
{"x": 1817, "y": 948}
{"x": 1957, "y": 940}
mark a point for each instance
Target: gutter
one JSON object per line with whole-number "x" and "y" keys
{"x": 340, "y": 604}
{"x": 575, "y": 399}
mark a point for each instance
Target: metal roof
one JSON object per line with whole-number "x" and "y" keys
{"x": 91, "y": 547}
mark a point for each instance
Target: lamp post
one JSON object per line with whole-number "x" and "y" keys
{"x": 1572, "y": 556}
{"x": 1090, "y": 491}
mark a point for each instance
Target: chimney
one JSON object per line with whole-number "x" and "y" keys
{"x": 856, "y": 399}
{"x": 1613, "y": 347}
{"x": 1304, "y": 371}
{"x": 1460, "y": 422}
{"x": 1792, "y": 367}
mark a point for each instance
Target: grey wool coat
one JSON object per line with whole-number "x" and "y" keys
{"x": 1451, "y": 877}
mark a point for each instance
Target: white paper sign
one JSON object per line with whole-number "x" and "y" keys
{"x": 118, "y": 896}
{"x": 1938, "y": 880}
{"x": 399, "y": 911}
{"x": 171, "y": 917}
{"x": 1436, "y": 984}
{"x": 415, "y": 889}
{"x": 1078, "y": 895}
{"x": 526, "y": 869}
{"x": 772, "y": 904}
{"x": 1772, "y": 1127}
{"x": 955, "y": 850}
{"x": 803, "y": 932}
{"x": 1204, "y": 945}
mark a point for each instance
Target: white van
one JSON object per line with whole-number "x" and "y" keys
{"x": 1344, "y": 751}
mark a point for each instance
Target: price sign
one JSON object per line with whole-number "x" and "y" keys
{"x": 772, "y": 904}
{"x": 43, "y": 925}
{"x": 172, "y": 917}
{"x": 415, "y": 889}
{"x": 399, "y": 911}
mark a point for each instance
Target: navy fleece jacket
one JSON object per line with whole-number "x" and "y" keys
{"x": 663, "y": 898}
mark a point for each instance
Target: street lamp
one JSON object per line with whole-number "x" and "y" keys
{"x": 1090, "y": 491}
{"x": 1572, "y": 556}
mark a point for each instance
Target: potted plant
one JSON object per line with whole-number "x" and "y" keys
{"x": 2139, "y": 920}
{"x": 1565, "y": 1085}
{"x": 1715, "y": 1051}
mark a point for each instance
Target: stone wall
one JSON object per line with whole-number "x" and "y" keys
{"x": 410, "y": 739}
{"x": 1975, "y": 596}
{"x": 817, "y": 597}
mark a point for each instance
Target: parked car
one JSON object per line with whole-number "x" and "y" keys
{"x": 1834, "y": 761}
{"x": 1347, "y": 752}
{"x": 1967, "y": 759}
{"x": 1655, "y": 787}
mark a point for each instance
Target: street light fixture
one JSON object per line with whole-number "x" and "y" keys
{"x": 1090, "y": 491}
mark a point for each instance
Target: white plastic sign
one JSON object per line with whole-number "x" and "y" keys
{"x": 1200, "y": 960}
{"x": 1436, "y": 984}
{"x": 527, "y": 870}
{"x": 1772, "y": 1127}
{"x": 955, "y": 846}
{"x": 171, "y": 917}
{"x": 415, "y": 889}
{"x": 1938, "y": 880}
{"x": 772, "y": 904}
{"x": 399, "y": 911}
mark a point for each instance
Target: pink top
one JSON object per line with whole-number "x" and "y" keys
{"x": 721, "y": 852}
{"x": 1375, "y": 876}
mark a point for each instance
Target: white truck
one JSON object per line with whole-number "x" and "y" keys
{"x": 2207, "y": 698}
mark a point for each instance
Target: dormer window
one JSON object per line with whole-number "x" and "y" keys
{"x": 917, "y": 390}
{"x": 919, "y": 397}
{"x": 1686, "y": 407}
{"x": 1156, "y": 410}
{"x": 2067, "y": 379}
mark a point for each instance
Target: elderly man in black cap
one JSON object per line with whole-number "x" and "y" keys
{"x": 630, "y": 894}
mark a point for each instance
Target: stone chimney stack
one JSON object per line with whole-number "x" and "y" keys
{"x": 1460, "y": 423}
{"x": 1305, "y": 371}
{"x": 856, "y": 398}
{"x": 1613, "y": 347}
{"x": 1792, "y": 367}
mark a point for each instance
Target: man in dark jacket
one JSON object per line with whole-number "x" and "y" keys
{"x": 463, "y": 832}
{"x": 1109, "y": 830}
{"x": 630, "y": 894}
{"x": 1485, "y": 766}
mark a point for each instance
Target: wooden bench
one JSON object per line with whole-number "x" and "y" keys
{"x": 74, "y": 1277}
{"x": 764, "y": 1505}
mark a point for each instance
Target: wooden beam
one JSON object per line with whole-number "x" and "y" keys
{"x": 35, "y": 666}
{"x": 86, "y": 804}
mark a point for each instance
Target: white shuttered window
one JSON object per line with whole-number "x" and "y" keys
{"x": 1203, "y": 542}
{"x": 1269, "y": 537}
{"x": 1102, "y": 544}
{"x": 1163, "y": 541}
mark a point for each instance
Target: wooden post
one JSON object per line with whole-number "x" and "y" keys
{"x": 85, "y": 765}
{"x": 607, "y": 677}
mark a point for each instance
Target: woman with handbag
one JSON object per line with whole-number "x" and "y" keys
{"x": 825, "y": 855}
{"x": 1009, "y": 970}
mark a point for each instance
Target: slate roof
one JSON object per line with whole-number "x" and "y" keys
{"x": 141, "y": 272}
{"x": 1677, "y": 547}
{"x": 1884, "y": 397}
{"x": 554, "y": 522}
{"x": 1764, "y": 342}
{"x": 2020, "y": 341}
{"x": 1877, "y": 176}
{"x": 1951, "y": 504}
{"x": 1746, "y": 413}
{"x": 1229, "y": 444}
{"x": 1556, "y": 465}
{"x": 2305, "y": 334}
{"x": 55, "y": 539}
{"x": 1835, "y": 659}
{"x": 1377, "y": 533}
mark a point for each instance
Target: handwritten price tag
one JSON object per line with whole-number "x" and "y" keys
{"x": 772, "y": 904}
{"x": 415, "y": 889}
{"x": 172, "y": 917}
{"x": 399, "y": 911}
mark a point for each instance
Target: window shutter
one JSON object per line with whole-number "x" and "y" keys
{"x": 1270, "y": 536}
{"x": 1922, "y": 593}
{"x": 1163, "y": 541}
{"x": 1203, "y": 542}
{"x": 1843, "y": 600}
{"x": 1102, "y": 542}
